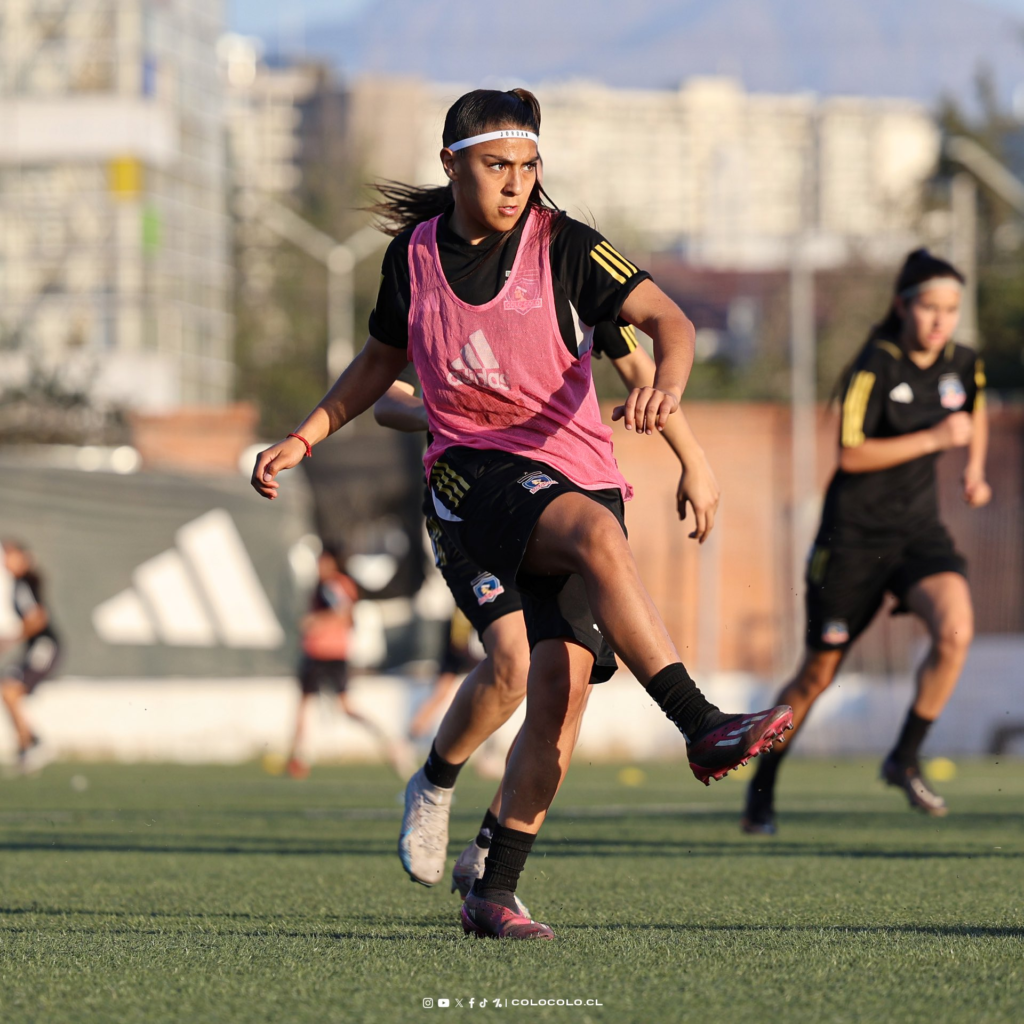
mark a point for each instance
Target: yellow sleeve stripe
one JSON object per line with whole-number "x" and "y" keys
{"x": 629, "y": 336}
{"x": 980, "y": 382}
{"x": 894, "y": 350}
{"x": 601, "y": 261}
{"x": 855, "y": 406}
{"x": 611, "y": 253}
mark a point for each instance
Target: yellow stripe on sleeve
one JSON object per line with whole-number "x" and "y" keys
{"x": 629, "y": 336}
{"x": 601, "y": 261}
{"x": 855, "y": 407}
{"x": 614, "y": 256}
{"x": 980, "y": 383}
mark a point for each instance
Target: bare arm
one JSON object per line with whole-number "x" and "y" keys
{"x": 697, "y": 483}
{"x": 34, "y": 622}
{"x": 977, "y": 491}
{"x": 367, "y": 377}
{"x": 400, "y": 409}
{"x": 647, "y": 409}
{"x": 876, "y": 453}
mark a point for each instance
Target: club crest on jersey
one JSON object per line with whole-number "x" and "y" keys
{"x": 526, "y": 293}
{"x": 487, "y": 588}
{"x": 535, "y": 482}
{"x": 951, "y": 391}
{"x": 902, "y": 393}
{"x": 835, "y": 632}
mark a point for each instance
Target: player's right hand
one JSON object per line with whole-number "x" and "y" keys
{"x": 955, "y": 431}
{"x": 271, "y": 461}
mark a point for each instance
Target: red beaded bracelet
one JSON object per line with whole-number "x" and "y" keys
{"x": 309, "y": 447}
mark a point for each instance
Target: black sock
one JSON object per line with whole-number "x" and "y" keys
{"x": 678, "y": 696}
{"x": 915, "y": 729}
{"x": 486, "y": 833}
{"x": 506, "y": 859}
{"x": 440, "y": 772}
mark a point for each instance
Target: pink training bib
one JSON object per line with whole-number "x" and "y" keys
{"x": 499, "y": 376}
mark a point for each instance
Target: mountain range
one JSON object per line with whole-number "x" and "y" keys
{"x": 916, "y": 48}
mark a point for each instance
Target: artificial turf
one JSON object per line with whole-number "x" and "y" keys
{"x": 168, "y": 893}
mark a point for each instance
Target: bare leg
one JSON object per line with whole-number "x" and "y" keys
{"x": 811, "y": 681}
{"x": 300, "y": 726}
{"x": 428, "y": 709}
{"x": 577, "y": 535}
{"x": 12, "y": 692}
{"x": 943, "y": 601}
{"x": 556, "y": 696}
{"x": 490, "y": 694}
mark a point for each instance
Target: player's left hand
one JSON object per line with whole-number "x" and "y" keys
{"x": 698, "y": 486}
{"x": 646, "y": 410}
{"x": 977, "y": 491}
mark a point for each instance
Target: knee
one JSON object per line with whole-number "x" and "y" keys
{"x": 511, "y": 668}
{"x": 600, "y": 539}
{"x": 953, "y": 636}
{"x": 816, "y": 677}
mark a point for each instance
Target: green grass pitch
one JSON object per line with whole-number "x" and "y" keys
{"x": 164, "y": 893}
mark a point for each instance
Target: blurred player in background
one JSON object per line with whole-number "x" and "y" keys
{"x": 38, "y": 658}
{"x": 909, "y": 395}
{"x": 490, "y": 695}
{"x": 523, "y": 479}
{"x": 456, "y": 660}
{"x": 326, "y": 638}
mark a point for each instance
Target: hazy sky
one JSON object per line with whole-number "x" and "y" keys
{"x": 288, "y": 19}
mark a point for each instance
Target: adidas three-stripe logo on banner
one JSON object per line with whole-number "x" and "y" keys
{"x": 202, "y": 592}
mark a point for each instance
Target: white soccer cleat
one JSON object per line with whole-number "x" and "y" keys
{"x": 35, "y": 758}
{"x": 423, "y": 841}
{"x": 469, "y": 867}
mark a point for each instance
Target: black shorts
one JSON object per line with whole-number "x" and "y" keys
{"x": 488, "y": 503}
{"x": 848, "y": 575}
{"x": 38, "y": 662}
{"x": 315, "y": 675}
{"x": 480, "y": 595}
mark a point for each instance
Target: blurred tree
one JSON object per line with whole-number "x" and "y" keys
{"x": 1000, "y": 233}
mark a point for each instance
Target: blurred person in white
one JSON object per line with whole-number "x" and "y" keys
{"x": 326, "y": 639}
{"x": 511, "y": 407}
{"x": 909, "y": 394}
{"x": 38, "y": 657}
{"x": 491, "y": 693}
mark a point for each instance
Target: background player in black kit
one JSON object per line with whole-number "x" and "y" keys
{"x": 910, "y": 394}
{"x": 38, "y": 658}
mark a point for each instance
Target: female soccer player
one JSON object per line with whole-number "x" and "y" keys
{"x": 326, "y": 638}
{"x": 39, "y": 656}
{"x": 910, "y": 394}
{"x": 521, "y": 470}
{"x": 489, "y": 695}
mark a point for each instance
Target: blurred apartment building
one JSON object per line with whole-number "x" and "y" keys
{"x": 114, "y": 231}
{"x": 266, "y": 107}
{"x": 723, "y": 177}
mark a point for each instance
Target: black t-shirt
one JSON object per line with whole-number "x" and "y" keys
{"x": 889, "y": 395}
{"x": 587, "y": 273}
{"x": 27, "y": 597}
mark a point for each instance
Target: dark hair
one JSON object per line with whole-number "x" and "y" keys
{"x": 31, "y": 575}
{"x": 918, "y": 267}
{"x": 404, "y": 206}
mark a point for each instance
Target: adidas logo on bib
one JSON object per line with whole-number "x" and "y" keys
{"x": 477, "y": 364}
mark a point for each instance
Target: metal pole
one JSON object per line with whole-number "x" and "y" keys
{"x": 803, "y": 420}
{"x": 964, "y": 203}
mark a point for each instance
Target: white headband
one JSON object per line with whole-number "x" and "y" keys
{"x": 505, "y": 133}
{"x": 932, "y": 282}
